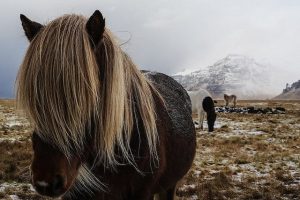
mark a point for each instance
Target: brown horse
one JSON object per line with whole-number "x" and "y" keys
{"x": 230, "y": 98}
{"x": 103, "y": 129}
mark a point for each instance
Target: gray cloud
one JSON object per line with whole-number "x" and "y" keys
{"x": 171, "y": 35}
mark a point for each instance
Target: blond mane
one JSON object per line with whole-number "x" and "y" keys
{"x": 58, "y": 87}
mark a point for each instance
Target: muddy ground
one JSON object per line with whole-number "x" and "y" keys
{"x": 249, "y": 156}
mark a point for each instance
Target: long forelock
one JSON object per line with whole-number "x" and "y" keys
{"x": 126, "y": 96}
{"x": 58, "y": 86}
{"x": 86, "y": 183}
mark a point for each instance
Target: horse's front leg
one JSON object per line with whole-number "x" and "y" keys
{"x": 167, "y": 195}
{"x": 144, "y": 193}
{"x": 226, "y": 103}
{"x": 201, "y": 118}
{"x": 143, "y": 196}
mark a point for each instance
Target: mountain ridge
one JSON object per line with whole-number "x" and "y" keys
{"x": 234, "y": 74}
{"x": 291, "y": 92}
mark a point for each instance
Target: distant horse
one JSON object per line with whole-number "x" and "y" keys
{"x": 103, "y": 130}
{"x": 202, "y": 102}
{"x": 230, "y": 98}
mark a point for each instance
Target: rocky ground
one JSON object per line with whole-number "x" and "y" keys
{"x": 249, "y": 156}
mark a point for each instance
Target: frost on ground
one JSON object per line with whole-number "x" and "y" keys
{"x": 11, "y": 124}
{"x": 249, "y": 156}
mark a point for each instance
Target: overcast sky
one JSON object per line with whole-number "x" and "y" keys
{"x": 171, "y": 35}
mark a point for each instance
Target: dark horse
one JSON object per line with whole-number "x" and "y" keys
{"x": 103, "y": 129}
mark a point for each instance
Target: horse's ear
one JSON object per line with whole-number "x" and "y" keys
{"x": 95, "y": 27}
{"x": 31, "y": 28}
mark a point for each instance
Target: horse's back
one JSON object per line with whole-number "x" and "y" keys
{"x": 230, "y": 97}
{"x": 178, "y": 143}
{"x": 177, "y": 101}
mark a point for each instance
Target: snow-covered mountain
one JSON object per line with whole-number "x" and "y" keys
{"x": 290, "y": 92}
{"x": 234, "y": 74}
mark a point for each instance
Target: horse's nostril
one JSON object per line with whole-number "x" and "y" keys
{"x": 57, "y": 184}
{"x": 53, "y": 188}
{"x": 41, "y": 187}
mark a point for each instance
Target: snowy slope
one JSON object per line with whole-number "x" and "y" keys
{"x": 234, "y": 74}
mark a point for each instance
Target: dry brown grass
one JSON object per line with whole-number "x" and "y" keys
{"x": 249, "y": 156}
{"x": 8, "y": 102}
{"x": 256, "y": 166}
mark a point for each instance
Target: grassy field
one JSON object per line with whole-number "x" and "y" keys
{"x": 249, "y": 156}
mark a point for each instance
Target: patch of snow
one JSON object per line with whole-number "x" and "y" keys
{"x": 291, "y": 165}
{"x": 11, "y": 139}
{"x": 287, "y": 121}
{"x": 249, "y": 132}
{"x": 224, "y": 162}
{"x": 2, "y": 188}
{"x": 150, "y": 72}
{"x": 6, "y": 185}
{"x": 237, "y": 177}
{"x": 214, "y": 171}
{"x": 247, "y": 167}
{"x": 32, "y": 188}
{"x": 233, "y": 167}
{"x": 194, "y": 197}
{"x": 218, "y": 124}
{"x": 188, "y": 187}
{"x": 12, "y": 124}
{"x": 252, "y": 169}
{"x": 13, "y": 121}
{"x": 14, "y": 197}
{"x": 184, "y": 72}
{"x": 197, "y": 173}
